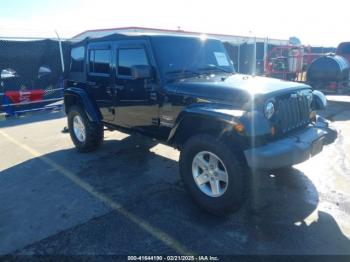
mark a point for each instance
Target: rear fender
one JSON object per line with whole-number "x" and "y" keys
{"x": 76, "y": 96}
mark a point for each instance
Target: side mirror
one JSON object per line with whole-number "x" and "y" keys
{"x": 141, "y": 71}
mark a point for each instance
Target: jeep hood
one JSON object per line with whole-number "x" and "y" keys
{"x": 233, "y": 88}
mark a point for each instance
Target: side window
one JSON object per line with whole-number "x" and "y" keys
{"x": 99, "y": 61}
{"x": 77, "y": 59}
{"x": 130, "y": 57}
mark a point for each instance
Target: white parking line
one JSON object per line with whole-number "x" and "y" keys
{"x": 155, "y": 232}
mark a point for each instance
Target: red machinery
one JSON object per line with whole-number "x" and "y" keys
{"x": 289, "y": 62}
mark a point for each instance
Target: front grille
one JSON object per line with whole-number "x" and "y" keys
{"x": 292, "y": 112}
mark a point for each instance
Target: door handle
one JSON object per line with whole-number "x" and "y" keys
{"x": 109, "y": 90}
{"x": 153, "y": 96}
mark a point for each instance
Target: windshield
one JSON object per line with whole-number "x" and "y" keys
{"x": 181, "y": 55}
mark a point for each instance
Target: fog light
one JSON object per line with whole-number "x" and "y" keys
{"x": 313, "y": 116}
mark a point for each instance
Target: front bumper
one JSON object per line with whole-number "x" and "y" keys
{"x": 294, "y": 149}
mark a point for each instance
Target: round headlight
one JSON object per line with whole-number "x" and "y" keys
{"x": 269, "y": 110}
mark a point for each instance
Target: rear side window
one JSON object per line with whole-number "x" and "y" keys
{"x": 99, "y": 61}
{"x": 77, "y": 59}
{"x": 130, "y": 57}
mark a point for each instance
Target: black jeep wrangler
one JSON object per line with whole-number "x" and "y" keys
{"x": 184, "y": 91}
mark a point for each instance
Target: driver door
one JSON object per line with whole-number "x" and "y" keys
{"x": 136, "y": 98}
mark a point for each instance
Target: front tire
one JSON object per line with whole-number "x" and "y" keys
{"x": 212, "y": 174}
{"x": 86, "y": 135}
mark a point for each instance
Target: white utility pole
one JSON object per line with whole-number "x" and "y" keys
{"x": 254, "y": 57}
{"x": 61, "y": 51}
{"x": 239, "y": 56}
{"x": 266, "y": 49}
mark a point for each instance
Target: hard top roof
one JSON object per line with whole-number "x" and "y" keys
{"x": 113, "y": 37}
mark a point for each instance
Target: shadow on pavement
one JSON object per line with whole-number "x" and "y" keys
{"x": 289, "y": 222}
{"x": 336, "y": 108}
{"x": 134, "y": 174}
{"x": 31, "y": 118}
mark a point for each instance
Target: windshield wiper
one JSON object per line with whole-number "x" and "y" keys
{"x": 183, "y": 72}
{"x": 212, "y": 67}
{"x": 199, "y": 72}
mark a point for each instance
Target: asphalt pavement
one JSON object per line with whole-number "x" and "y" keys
{"x": 127, "y": 198}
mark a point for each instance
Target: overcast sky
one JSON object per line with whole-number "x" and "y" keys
{"x": 323, "y": 23}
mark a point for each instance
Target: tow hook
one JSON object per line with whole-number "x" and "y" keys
{"x": 324, "y": 124}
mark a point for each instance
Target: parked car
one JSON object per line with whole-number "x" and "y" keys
{"x": 184, "y": 91}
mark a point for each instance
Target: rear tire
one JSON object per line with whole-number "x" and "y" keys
{"x": 208, "y": 148}
{"x": 86, "y": 135}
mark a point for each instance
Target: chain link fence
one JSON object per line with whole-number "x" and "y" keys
{"x": 31, "y": 76}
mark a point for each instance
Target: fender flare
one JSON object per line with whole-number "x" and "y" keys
{"x": 90, "y": 108}
{"x": 320, "y": 100}
{"x": 197, "y": 114}
{"x": 228, "y": 117}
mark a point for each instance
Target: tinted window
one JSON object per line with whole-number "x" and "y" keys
{"x": 99, "y": 61}
{"x": 186, "y": 53}
{"x": 130, "y": 57}
{"x": 77, "y": 59}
